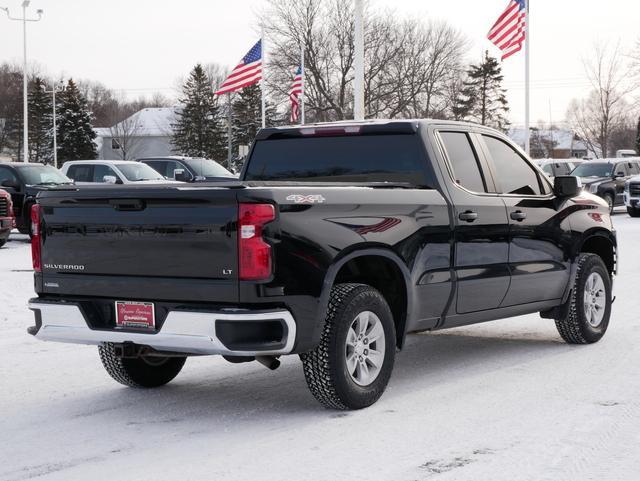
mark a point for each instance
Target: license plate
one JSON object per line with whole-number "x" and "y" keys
{"x": 138, "y": 315}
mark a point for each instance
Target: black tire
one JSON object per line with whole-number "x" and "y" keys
{"x": 325, "y": 368}
{"x": 575, "y": 327}
{"x": 2, "y": 243}
{"x": 633, "y": 212}
{"x": 140, "y": 372}
{"x": 609, "y": 199}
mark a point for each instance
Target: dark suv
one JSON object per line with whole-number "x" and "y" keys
{"x": 23, "y": 181}
{"x": 188, "y": 169}
{"x": 607, "y": 178}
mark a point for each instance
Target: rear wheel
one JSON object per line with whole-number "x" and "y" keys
{"x": 145, "y": 371}
{"x": 351, "y": 366}
{"x": 589, "y": 309}
{"x": 633, "y": 212}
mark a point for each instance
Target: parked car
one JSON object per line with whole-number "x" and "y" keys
{"x": 632, "y": 196}
{"x": 558, "y": 167}
{"x": 23, "y": 181}
{"x": 7, "y": 220}
{"x": 111, "y": 172}
{"x": 338, "y": 241}
{"x": 189, "y": 169}
{"x": 607, "y": 178}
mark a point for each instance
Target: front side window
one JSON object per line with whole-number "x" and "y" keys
{"x": 100, "y": 171}
{"x": 6, "y": 174}
{"x": 514, "y": 174}
{"x": 464, "y": 162}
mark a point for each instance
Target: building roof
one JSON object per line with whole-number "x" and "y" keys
{"x": 150, "y": 122}
{"x": 563, "y": 139}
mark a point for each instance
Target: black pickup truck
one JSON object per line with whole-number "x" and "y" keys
{"x": 337, "y": 241}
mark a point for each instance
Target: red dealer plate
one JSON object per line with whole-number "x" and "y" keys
{"x": 140, "y": 315}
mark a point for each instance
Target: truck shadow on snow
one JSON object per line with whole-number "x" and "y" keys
{"x": 207, "y": 395}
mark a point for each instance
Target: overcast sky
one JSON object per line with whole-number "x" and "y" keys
{"x": 141, "y": 46}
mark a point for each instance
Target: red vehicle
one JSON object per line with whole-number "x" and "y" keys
{"x": 7, "y": 220}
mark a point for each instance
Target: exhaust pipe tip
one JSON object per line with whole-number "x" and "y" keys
{"x": 270, "y": 362}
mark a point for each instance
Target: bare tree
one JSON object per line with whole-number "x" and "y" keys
{"x": 408, "y": 64}
{"x": 126, "y": 136}
{"x": 606, "y": 109}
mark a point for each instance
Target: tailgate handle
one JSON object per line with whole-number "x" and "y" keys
{"x": 127, "y": 204}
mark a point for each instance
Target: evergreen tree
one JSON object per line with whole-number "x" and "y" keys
{"x": 638, "y": 138}
{"x": 199, "y": 131}
{"x": 247, "y": 115}
{"x": 40, "y": 123}
{"x": 75, "y": 133}
{"x": 483, "y": 99}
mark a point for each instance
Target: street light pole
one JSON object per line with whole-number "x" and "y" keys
{"x": 358, "y": 62}
{"x": 55, "y": 129}
{"x": 25, "y": 123}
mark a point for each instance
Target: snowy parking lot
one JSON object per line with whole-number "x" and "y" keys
{"x": 506, "y": 400}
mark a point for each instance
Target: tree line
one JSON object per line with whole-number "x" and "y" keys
{"x": 413, "y": 69}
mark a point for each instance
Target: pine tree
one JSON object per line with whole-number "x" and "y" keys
{"x": 247, "y": 115}
{"x": 75, "y": 133}
{"x": 199, "y": 131}
{"x": 638, "y": 138}
{"x": 40, "y": 123}
{"x": 483, "y": 99}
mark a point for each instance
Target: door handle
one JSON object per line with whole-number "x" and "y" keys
{"x": 468, "y": 216}
{"x": 518, "y": 215}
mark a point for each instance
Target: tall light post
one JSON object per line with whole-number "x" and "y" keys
{"x": 24, "y": 20}
{"x": 53, "y": 91}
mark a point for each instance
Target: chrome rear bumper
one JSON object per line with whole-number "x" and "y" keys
{"x": 182, "y": 331}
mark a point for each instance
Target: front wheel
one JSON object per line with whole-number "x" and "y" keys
{"x": 589, "y": 309}
{"x": 351, "y": 366}
{"x": 145, "y": 371}
{"x": 633, "y": 212}
{"x": 609, "y": 200}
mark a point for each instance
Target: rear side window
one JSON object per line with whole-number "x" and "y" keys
{"x": 81, "y": 173}
{"x": 358, "y": 158}
{"x": 464, "y": 162}
{"x": 515, "y": 175}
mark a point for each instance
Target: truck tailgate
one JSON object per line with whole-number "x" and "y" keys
{"x": 170, "y": 243}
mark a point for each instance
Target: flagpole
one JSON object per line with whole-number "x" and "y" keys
{"x": 358, "y": 62}
{"x": 264, "y": 78}
{"x": 229, "y": 131}
{"x": 527, "y": 90}
{"x": 304, "y": 82}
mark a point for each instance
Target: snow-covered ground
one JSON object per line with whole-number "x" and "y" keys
{"x": 501, "y": 401}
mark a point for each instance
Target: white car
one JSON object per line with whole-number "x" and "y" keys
{"x": 112, "y": 172}
{"x": 556, "y": 167}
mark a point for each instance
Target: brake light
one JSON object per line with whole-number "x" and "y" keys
{"x": 36, "y": 244}
{"x": 254, "y": 254}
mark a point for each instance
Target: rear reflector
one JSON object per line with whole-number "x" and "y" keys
{"x": 36, "y": 241}
{"x": 254, "y": 254}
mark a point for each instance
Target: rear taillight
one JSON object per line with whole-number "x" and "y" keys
{"x": 36, "y": 241}
{"x": 254, "y": 254}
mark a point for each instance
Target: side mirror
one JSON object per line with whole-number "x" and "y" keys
{"x": 181, "y": 175}
{"x": 566, "y": 186}
{"x": 619, "y": 175}
{"x": 12, "y": 184}
{"x": 109, "y": 179}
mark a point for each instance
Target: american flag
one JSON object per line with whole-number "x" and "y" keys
{"x": 294, "y": 95}
{"x": 247, "y": 72}
{"x": 508, "y": 33}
